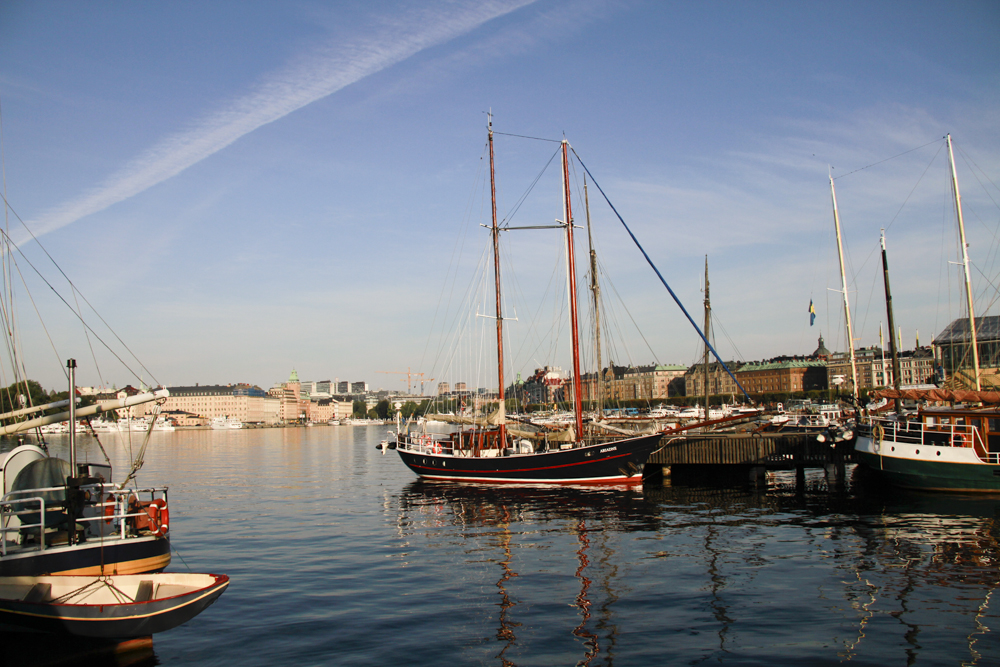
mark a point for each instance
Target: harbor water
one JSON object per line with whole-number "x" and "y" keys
{"x": 338, "y": 555}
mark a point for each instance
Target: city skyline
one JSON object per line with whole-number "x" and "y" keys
{"x": 236, "y": 197}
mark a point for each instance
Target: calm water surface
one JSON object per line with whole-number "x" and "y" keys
{"x": 338, "y": 555}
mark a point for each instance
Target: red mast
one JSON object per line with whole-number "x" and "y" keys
{"x": 496, "y": 271}
{"x": 571, "y": 265}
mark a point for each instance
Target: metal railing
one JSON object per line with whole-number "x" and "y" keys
{"x": 932, "y": 435}
{"x": 113, "y": 506}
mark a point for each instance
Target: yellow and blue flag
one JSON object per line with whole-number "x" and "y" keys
{"x": 812, "y": 313}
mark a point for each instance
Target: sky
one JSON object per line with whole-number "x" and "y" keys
{"x": 242, "y": 189}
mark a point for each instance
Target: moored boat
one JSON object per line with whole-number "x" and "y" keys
{"x": 497, "y": 450}
{"x": 119, "y": 607}
{"x": 938, "y": 449}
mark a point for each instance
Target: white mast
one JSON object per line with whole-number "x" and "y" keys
{"x": 847, "y": 305}
{"x": 965, "y": 263}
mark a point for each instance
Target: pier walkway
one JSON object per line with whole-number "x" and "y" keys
{"x": 750, "y": 453}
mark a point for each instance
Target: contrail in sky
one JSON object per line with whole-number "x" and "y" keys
{"x": 313, "y": 77}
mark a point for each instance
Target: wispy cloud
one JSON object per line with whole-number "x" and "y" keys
{"x": 311, "y": 78}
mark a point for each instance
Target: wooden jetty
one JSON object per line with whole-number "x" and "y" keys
{"x": 750, "y": 453}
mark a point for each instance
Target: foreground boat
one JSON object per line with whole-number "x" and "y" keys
{"x": 120, "y": 606}
{"x": 939, "y": 449}
{"x": 61, "y": 517}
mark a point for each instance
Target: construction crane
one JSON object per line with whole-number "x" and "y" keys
{"x": 409, "y": 379}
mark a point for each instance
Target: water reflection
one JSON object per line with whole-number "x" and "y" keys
{"x": 878, "y": 575}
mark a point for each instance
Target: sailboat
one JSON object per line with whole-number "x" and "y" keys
{"x": 938, "y": 449}
{"x": 496, "y": 450}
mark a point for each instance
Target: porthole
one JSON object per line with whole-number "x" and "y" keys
{"x": 939, "y": 453}
{"x": 892, "y": 449}
{"x": 918, "y": 451}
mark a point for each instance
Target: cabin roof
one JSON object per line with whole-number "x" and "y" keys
{"x": 987, "y": 328}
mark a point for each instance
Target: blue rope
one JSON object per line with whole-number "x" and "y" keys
{"x": 662, "y": 280}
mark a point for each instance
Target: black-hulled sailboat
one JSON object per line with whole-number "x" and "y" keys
{"x": 495, "y": 450}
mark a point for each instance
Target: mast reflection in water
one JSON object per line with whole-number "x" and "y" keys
{"x": 778, "y": 576}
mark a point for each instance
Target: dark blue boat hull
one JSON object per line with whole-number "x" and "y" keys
{"x": 614, "y": 462}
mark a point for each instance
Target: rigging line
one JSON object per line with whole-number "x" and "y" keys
{"x": 886, "y": 159}
{"x": 523, "y": 136}
{"x": 44, "y": 328}
{"x": 968, "y": 160}
{"x": 517, "y": 205}
{"x": 718, "y": 324}
{"x": 660, "y": 276}
{"x": 90, "y": 343}
{"x": 59, "y": 268}
{"x": 608, "y": 281}
{"x": 51, "y": 287}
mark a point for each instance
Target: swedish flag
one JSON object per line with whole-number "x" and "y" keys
{"x": 812, "y": 313}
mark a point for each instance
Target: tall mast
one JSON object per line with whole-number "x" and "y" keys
{"x": 708, "y": 325}
{"x": 847, "y": 305}
{"x": 965, "y": 262}
{"x": 595, "y": 289}
{"x": 571, "y": 266}
{"x": 893, "y": 351}
{"x": 496, "y": 274}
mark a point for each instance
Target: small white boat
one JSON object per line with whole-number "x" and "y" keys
{"x": 223, "y": 423}
{"x": 115, "y": 606}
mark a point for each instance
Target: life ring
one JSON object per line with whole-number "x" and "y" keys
{"x": 437, "y": 447}
{"x": 878, "y": 432}
{"x": 109, "y": 509}
{"x": 159, "y": 517}
{"x": 959, "y": 440}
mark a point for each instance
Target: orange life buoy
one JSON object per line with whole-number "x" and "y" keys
{"x": 159, "y": 517}
{"x": 960, "y": 440}
{"x": 109, "y": 509}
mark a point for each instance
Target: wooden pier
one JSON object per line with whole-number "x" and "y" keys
{"x": 750, "y": 454}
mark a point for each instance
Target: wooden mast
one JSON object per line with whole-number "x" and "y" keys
{"x": 595, "y": 289}
{"x": 496, "y": 273}
{"x": 708, "y": 324}
{"x": 571, "y": 267}
{"x": 893, "y": 351}
{"x": 847, "y": 305}
{"x": 965, "y": 263}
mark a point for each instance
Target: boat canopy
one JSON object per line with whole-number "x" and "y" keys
{"x": 954, "y": 396}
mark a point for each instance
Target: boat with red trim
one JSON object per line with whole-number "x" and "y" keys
{"x": 110, "y": 607}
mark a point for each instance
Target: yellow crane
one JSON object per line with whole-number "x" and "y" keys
{"x": 409, "y": 379}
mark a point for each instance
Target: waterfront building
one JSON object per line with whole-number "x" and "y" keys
{"x": 343, "y": 387}
{"x": 443, "y": 388}
{"x": 359, "y": 387}
{"x": 719, "y": 381}
{"x": 243, "y": 402}
{"x": 783, "y": 376}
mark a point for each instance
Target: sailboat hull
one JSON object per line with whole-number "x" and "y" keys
{"x": 615, "y": 462}
{"x": 928, "y": 467}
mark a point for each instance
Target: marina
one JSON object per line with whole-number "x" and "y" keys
{"x": 346, "y": 558}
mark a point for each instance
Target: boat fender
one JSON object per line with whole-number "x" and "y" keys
{"x": 159, "y": 517}
{"x": 109, "y": 509}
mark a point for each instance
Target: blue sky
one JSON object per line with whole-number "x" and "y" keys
{"x": 243, "y": 188}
